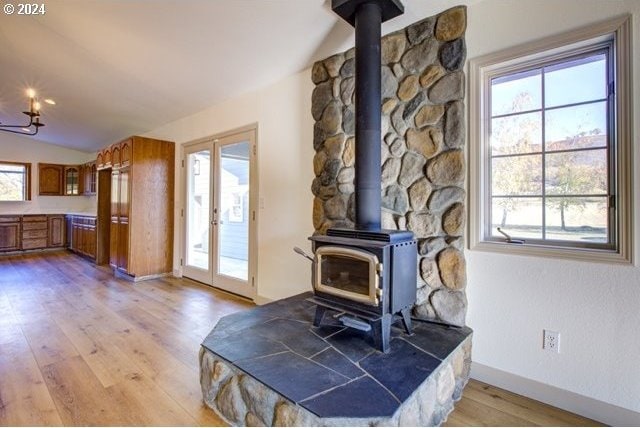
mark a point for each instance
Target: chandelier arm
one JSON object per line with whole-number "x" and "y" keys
{"x": 31, "y": 116}
{"x": 18, "y": 132}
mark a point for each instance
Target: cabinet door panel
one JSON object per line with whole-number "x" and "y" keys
{"x": 125, "y": 153}
{"x": 106, "y": 156}
{"x": 91, "y": 242}
{"x": 94, "y": 179}
{"x": 50, "y": 179}
{"x": 124, "y": 193}
{"x": 115, "y": 157}
{"x": 75, "y": 236}
{"x": 39, "y": 225}
{"x": 9, "y": 236}
{"x": 113, "y": 243}
{"x": 38, "y": 233}
{"x": 123, "y": 245}
{"x": 72, "y": 180}
{"x": 30, "y": 244}
{"x": 115, "y": 193}
{"x": 56, "y": 231}
{"x": 123, "y": 221}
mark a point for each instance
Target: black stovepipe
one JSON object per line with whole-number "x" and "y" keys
{"x": 368, "y": 21}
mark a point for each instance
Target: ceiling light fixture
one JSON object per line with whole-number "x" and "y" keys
{"x": 34, "y": 124}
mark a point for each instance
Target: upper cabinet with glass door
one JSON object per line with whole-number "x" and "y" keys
{"x": 72, "y": 181}
{"x": 66, "y": 180}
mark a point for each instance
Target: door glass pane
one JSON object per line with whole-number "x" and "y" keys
{"x": 233, "y": 216}
{"x": 198, "y": 199}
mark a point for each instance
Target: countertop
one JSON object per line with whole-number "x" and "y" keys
{"x": 86, "y": 214}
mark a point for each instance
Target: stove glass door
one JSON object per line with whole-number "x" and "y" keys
{"x": 347, "y": 273}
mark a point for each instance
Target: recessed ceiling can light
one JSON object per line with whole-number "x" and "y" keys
{"x": 50, "y": 101}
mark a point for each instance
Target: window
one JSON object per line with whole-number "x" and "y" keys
{"x": 15, "y": 183}
{"x": 550, "y": 147}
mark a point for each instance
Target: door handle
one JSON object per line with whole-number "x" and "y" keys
{"x": 214, "y": 222}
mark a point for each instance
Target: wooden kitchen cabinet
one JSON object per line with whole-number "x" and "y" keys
{"x": 72, "y": 180}
{"x": 32, "y": 232}
{"x": 35, "y": 233}
{"x": 83, "y": 235}
{"x": 89, "y": 178}
{"x": 114, "y": 217}
{"x": 10, "y": 233}
{"x": 125, "y": 152}
{"x": 141, "y": 207}
{"x": 57, "y": 231}
{"x": 66, "y": 180}
{"x": 106, "y": 156}
{"x": 50, "y": 179}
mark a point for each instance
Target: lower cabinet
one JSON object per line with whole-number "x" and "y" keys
{"x": 35, "y": 232}
{"x": 10, "y": 233}
{"x": 83, "y": 235}
{"x": 57, "y": 235}
{"x": 32, "y": 232}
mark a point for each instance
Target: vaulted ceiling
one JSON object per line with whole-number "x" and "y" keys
{"x": 122, "y": 67}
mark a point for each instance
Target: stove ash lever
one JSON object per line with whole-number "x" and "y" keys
{"x": 302, "y": 253}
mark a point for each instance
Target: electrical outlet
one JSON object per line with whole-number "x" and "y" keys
{"x": 551, "y": 341}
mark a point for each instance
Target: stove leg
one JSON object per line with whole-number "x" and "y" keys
{"x": 406, "y": 319}
{"x": 381, "y": 331}
{"x": 320, "y": 311}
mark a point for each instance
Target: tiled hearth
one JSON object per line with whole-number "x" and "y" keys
{"x": 270, "y": 366}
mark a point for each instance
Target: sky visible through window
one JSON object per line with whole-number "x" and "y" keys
{"x": 549, "y": 156}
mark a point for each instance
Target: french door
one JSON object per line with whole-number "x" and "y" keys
{"x": 220, "y": 213}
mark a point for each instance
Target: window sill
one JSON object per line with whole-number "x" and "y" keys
{"x": 584, "y": 255}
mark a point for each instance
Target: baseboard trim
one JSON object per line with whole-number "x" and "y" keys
{"x": 260, "y": 300}
{"x": 597, "y": 410}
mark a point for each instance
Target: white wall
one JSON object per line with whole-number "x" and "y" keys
{"x": 595, "y": 307}
{"x": 24, "y": 149}
{"x": 285, "y": 153}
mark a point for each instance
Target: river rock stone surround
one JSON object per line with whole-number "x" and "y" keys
{"x": 423, "y": 162}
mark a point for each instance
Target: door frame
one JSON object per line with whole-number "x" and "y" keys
{"x": 253, "y": 202}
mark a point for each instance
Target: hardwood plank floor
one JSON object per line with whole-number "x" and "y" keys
{"x": 80, "y": 347}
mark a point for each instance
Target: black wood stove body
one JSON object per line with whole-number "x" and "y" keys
{"x": 367, "y": 276}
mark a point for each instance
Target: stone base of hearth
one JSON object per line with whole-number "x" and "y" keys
{"x": 270, "y": 367}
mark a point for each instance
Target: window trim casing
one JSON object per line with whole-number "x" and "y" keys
{"x": 548, "y": 48}
{"x": 27, "y": 165}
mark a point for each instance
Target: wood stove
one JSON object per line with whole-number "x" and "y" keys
{"x": 367, "y": 273}
{"x": 367, "y": 276}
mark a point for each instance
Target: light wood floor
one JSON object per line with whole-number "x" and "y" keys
{"x": 80, "y": 347}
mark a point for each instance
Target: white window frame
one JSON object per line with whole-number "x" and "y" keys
{"x": 481, "y": 71}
